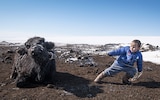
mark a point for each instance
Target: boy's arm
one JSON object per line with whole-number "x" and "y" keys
{"x": 140, "y": 68}
{"x": 117, "y": 52}
{"x": 139, "y": 63}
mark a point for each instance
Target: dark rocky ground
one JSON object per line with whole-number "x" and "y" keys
{"x": 76, "y": 83}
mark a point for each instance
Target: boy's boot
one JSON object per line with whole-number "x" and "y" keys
{"x": 99, "y": 77}
{"x": 125, "y": 80}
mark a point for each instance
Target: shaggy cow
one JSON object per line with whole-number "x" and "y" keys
{"x": 34, "y": 63}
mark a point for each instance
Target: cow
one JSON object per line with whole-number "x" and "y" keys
{"x": 34, "y": 63}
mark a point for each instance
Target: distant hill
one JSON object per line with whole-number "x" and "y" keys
{"x": 5, "y": 43}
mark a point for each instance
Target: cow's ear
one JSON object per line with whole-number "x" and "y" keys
{"x": 41, "y": 40}
{"x": 21, "y": 50}
{"x": 49, "y": 45}
{"x": 27, "y": 45}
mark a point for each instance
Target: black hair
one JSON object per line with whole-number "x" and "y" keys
{"x": 138, "y": 42}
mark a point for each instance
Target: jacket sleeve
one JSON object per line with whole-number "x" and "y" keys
{"x": 117, "y": 52}
{"x": 140, "y": 63}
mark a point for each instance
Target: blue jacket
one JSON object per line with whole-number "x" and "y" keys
{"x": 128, "y": 58}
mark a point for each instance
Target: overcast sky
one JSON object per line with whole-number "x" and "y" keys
{"x": 21, "y": 19}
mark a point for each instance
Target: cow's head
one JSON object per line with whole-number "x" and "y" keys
{"x": 39, "y": 54}
{"x": 33, "y": 41}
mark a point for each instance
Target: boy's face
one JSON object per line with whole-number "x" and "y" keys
{"x": 134, "y": 47}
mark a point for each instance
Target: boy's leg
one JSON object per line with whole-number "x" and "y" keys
{"x": 130, "y": 72}
{"x": 125, "y": 79}
{"x": 112, "y": 70}
{"x": 99, "y": 77}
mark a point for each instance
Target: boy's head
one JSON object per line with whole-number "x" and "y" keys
{"x": 135, "y": 45}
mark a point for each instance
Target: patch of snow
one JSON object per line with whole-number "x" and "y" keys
{"x": 152, "y": 56}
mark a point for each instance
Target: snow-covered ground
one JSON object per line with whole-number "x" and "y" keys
{"x": 152, "y": 56}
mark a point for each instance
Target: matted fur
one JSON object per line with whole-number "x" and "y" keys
{"x": 34, "y": 63}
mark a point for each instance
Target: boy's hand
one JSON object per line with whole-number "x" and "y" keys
{"x": 108, "y": 54}
{"x": 137, "y": 76}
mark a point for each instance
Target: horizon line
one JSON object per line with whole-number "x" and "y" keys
{"x": 154, "y": 40}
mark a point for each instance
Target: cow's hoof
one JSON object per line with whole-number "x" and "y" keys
{"x": 50, "y": 86}
{"x": 25, "y": 85}
{"x": 21, "y": 84}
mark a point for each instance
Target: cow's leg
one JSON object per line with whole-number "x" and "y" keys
{"x": 14, "y": 73}
{"x": 23, "y": 82}
{"x": 52, "y": 74}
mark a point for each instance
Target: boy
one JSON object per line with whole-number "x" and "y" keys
{"x": 125, "y": 62}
